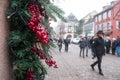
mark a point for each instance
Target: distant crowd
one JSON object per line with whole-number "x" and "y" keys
{"x": 85, "y": 43}
{"x": 99, "y": 46}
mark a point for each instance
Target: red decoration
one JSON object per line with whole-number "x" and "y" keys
{"x": 29, "y": 75}
{"x": 51, "y": 62}
{"x": 39, "y": 52}
{"x": 41, "y": 33}
{"x": 55, "y": 66}
{"x": 42, "y": 55}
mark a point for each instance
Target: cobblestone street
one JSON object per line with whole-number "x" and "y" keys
{"x": 73, "y": 67}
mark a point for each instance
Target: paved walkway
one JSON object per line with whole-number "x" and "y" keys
{"x": 73, "y": 67}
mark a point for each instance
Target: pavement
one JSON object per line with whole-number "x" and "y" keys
{"x": 73, "y": 67}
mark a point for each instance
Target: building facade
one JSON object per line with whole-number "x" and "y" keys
{"x": 87, "y": 24}
{"x": 109, "y": 20}
{"x": 88, "y": 28}
{"x": 70, "y": 26}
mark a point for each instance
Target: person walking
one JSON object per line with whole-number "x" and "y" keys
{"x": 107, "y": 45}
{"x": 87, "y": 45}
{"x": 60, "y": 44}
{"x": 82, "y": 45}
{"x": 118, "y": 46}
{"x": 66, "y": 42}
{"x": 99, "y": 51}
{"x": 92, "y": 43}
{"x": 113, "y": 46}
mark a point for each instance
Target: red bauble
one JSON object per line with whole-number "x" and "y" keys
{"x": 29, "y": 75}
{"x": 31, "y": 23}
{"x": 53, "y": 62}
{"x": 45, "y": 41}
{"x": 39, "y": 28}
{"x": 34, "y": 24}
{"x": 38, "y": 34}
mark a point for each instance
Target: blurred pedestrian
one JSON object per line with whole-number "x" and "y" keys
{"x": 92, "y": 45}
{"x": 66, "y": 42}
{"x": 107, "y": 45}
{"x": 87, "y": 45}
{"x": 60, "y": 41}
{"x": 82, "y": 45}
{"x": 99, "y": 51}
{"x": 113, "y": 46}
{"x": 118, "y": 46}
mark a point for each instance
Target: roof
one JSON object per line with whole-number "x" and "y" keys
{"x": 71, "y": 17}
{"x": 89, "y": 16}
{"x": 110, "y": 7}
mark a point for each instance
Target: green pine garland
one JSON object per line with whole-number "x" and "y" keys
{"x": 22, "y": 38}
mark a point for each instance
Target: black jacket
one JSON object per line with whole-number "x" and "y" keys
{"x": 99, "y": 46}
{"x": 82, "y": 43}
{"x": 66, "y": 42}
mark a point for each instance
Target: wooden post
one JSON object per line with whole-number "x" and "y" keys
{"x": 5, "y": 71}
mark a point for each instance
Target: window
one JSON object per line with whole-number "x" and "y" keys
{"x": 96, "y": 19}
{"x": 105, "y": 15}
{"x": 69, "y": 29}
{"x": 118, "y": 24}
{"x": 105, "y": 26}
{"x": 109, "y": 13}
{"x": 108, "y": 25}
{"x": 100, "y": 27}
{"x": 100, "y": 17}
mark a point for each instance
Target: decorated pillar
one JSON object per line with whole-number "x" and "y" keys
{"x": 4, "y": 60}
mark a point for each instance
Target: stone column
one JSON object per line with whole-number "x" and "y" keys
{"x": 5, "y": 73}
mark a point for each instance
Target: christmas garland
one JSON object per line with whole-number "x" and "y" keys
{"x": 30, "y": 37}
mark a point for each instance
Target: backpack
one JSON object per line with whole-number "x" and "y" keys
{"x": 92, "y": 42}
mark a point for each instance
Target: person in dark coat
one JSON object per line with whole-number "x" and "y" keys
{"x": 82, "y": 45}
{"x": 60, "y": 44}
{"x": 108, "y": 45}
{"x": 92, "y": 44}
{"x": 87, "y": 45}
{"x": 113, "y": 46}
{"x": 99, "y": 51}
{"x": 66, "y": 42}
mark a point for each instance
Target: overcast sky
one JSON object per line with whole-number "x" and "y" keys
{"x": 81, "y": 8}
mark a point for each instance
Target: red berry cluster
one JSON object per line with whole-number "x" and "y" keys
{"x": 42, "y": 55}
{"x": 41, "y": 33}
{"x": 51, "y": 62}
{"x": 29, "y": 75}
{"x": 39, "y": 52}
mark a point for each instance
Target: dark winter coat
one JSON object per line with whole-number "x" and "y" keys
{"x": 67, "y": 42}
{"x": 99, "y": 46}
{"x": 92, "y": 42}
{"x": 114, "y": 44}
{"x": 82, "y": 43}
{"x": 60, "y": 42}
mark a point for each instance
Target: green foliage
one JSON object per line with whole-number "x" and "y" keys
{"x": 53, "y": 11}
{"x": 22, "y": 38}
